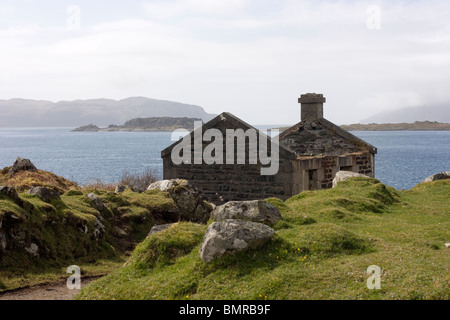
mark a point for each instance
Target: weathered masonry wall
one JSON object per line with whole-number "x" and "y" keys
{"x": 219, "y": 183}
{"x": 222, "y": 183}
{"x": 314, "y": 173}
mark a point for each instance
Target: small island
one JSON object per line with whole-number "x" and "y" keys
{"x": 416, "y": 126}
{"x": 144, "y": 125}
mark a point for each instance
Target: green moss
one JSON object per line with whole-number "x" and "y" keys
{"x": 323, "y": 260}
{"x": 71, "y": 193}
{"x": 165, "y": 247}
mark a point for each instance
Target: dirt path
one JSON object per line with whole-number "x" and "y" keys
{"x": 49, "y": 291}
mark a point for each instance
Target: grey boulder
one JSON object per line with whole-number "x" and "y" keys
{"x": 44, "y": 193}
{"x": 231, "y": 236}
{"x": 255, "y": 210}
{"x": 438, "y": 176}
{"x": 11, "y": 193}
{"x": 21, "y": 165}
{"x": 96, "y": 202}
{"x": 166, "y": 185}
{"x": 187, "y": 199}
{"x": 344, "y": 175}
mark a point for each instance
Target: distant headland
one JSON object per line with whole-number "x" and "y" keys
{"x": 144, "y": 125}
{"x": 416, "y": 126}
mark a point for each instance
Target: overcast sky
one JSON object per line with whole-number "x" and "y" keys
{"x": 252, "y": 58}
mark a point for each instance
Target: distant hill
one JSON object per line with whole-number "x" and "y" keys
{"x": 440, "y": 113}
{"x": 145, "y": 124}
{"x": 416, "y": 126}
{"x": 43, "y": 113}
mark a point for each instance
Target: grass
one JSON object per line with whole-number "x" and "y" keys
{"x": 66, "y": 229}
{"x": 321, "y": 250}
{"x": 24, "y": 180}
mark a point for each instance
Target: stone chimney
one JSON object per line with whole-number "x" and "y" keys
{"x": 311, "y": 106}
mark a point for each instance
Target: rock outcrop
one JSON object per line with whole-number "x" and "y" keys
{"x": 44, "y": 193}
{"x": 344, "y": 175}
{"x": 21, "y": 165}
{"x": 11, "y": 193}
{"x": 438, "y": 176}
{"x": 186, "y": 197}
{"x": 122, "y": 187}
{"x": 255, "y": 211}
{"x": 231, "y": 236}
{"x": 96, "y": 202}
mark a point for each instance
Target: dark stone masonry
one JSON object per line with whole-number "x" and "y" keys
{"x": 310, "y": 154}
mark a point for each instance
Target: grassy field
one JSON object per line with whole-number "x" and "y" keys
{"x": 321, "y": 250}
{"x": 66, "y": 230}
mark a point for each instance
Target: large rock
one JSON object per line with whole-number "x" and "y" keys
{"x": 344, "y": 175}
{"x": 230, "y": 236}
{"x": 166, "y": 185}
{"x": 255, "y": 210}
{"x": 438, "y": 176}
{"x": 11, "y": 193}
{"x": 21, "y": 165}
{"x": 96, "y": 202}
{"x": 44, "y": 193}
{"x": 186, "y": 197}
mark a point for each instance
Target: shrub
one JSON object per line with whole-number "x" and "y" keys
{"x": 139, "y": 181}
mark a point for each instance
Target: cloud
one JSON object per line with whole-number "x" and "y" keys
{"x": 252, "y": 58}
{"x": 188, "y": 8}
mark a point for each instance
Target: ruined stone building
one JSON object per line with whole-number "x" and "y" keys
{"x": 310, "y": 153}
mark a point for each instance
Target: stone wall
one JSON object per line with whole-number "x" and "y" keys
{"x": 219, "y": 183}
{"x": 222, "y": 183}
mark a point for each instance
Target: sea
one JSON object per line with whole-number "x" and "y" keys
{"x": 403, "y": 160}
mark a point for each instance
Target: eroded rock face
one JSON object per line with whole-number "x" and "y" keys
{"x": 344, "y": 175}
{"x": 11, "y": 193}
{"x": 230, "y": 236}
{"x": 21, "y": 165}
{"x": 166, "y": 185}
{"x": 256, "y": 211}
{"x": 99, "y": 230}
{"x": 438, "y": 176}
{"x": 44, "y": 193}
{"x": 97, "y": 202}
{"x": 33, "y": 250}
{"x": 186, "y": 197}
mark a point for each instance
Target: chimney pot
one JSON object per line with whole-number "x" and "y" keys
{"x": 311, "y": 106}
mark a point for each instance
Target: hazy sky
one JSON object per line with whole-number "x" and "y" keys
{"x": 252, "y": 58}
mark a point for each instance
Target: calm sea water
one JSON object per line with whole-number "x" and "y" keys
{"x": 404, "y": 158}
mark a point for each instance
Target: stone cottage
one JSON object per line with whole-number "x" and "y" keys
{"x": 309, "y": 155}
